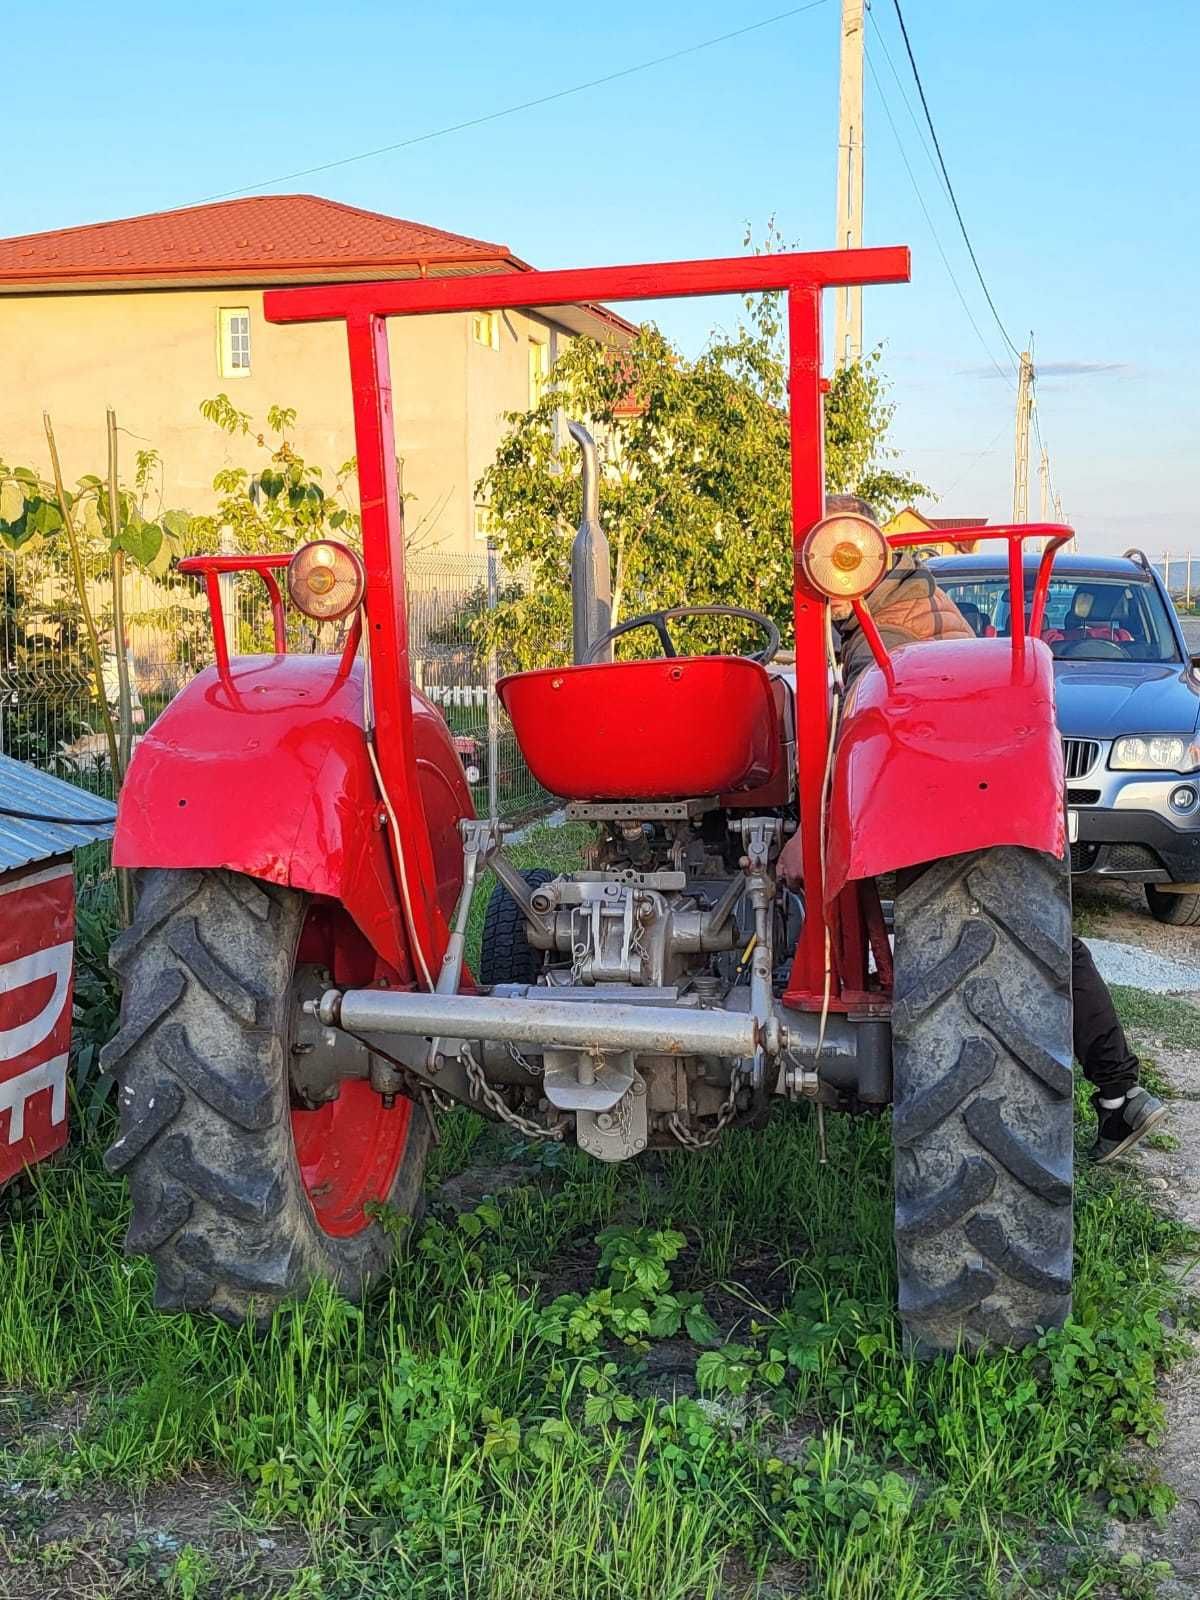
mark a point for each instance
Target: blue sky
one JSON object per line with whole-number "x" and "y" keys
{"x": 1069, "y": 132}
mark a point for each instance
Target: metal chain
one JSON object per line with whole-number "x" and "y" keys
{"x": 526, "y": 1066}
{"x": 704, "y": 1141}
{"x": 482, "y": 1091}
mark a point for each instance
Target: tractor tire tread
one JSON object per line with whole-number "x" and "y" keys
{"x": 205, "y": 1138}
{"x": 983, "y": 1105}
{"x": 505, "y": 954}
{"x": 971, "y": 1185}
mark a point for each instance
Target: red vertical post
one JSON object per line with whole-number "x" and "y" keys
{"x": 1016, "y": 601}
{"x": 387, "y": 627}
{"x": 217, "y": 612}
{"x": 807, "y": 981}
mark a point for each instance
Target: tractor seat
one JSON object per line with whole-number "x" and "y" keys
{"x": 666, "y": 729}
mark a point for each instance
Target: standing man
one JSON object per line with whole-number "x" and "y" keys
{"x": 910, "y": 608}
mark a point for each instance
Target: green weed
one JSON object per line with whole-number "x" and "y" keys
{"x": 494, "y": 1421}
{"x": 1173, "y": 1021}
{"x": 468, "y": 1433}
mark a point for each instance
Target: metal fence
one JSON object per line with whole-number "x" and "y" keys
{"x": 49, "y": 711}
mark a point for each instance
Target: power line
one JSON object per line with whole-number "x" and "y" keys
{"x": 987, "y": 294}
{"x": 929, "y": 220}
{"x": 524, "y": 105}
{"x": 976, "y": 459}
{"x": 912, "y": 115}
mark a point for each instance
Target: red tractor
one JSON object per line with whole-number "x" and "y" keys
{"x": 295, "y": 995}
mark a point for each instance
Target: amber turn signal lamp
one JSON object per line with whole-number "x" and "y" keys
{"x": 844, "y": 556}
{"x": 326, "y": 580}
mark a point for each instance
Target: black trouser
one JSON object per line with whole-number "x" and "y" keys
{"x": 1101, "y": 1047}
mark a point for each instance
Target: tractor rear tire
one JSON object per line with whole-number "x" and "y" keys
{"x": 207, "y": 1132}
{"x": 505, "y": 953}
{"x": 983, "y": 1104}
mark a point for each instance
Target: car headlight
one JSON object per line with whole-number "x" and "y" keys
{"x": 1155, "y": 752}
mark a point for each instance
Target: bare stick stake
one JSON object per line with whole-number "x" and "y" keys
{"x": 124, "y": 697}
{"x": 89, "y": 621}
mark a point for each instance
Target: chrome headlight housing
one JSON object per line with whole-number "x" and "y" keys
{"x": 1155, "y": 752}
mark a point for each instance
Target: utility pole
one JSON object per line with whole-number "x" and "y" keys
{"x": 1044, "y": 485}
{"x": 847, "y": 342}
{"x": 1020, "y": 511}
{"x": 1058, "y": 517}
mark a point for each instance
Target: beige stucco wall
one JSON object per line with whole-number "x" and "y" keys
{"x": 153, "y": 356}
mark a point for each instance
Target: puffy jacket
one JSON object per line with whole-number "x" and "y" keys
{"x": 908, "y": 607}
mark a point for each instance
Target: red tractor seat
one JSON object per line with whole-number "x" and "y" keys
{"x": 666, "y": 729}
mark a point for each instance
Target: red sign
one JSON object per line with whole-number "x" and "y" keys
{"x": 37, "y": 931}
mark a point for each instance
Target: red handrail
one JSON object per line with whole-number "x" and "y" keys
{"x": 1055, "y": 533}
{"x": 210, "y": 569}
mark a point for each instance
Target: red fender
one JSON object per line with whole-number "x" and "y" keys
{"x": 268, "y": 774}
{"x": 962, "y": 754}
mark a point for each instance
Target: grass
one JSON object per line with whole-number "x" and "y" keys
{"x": 451, "y": 1439}
{"x": 678, "y": 1379}
{"x": 1173, "y": 1022}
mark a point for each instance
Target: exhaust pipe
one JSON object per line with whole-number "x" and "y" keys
{"x": 591, "y": 579}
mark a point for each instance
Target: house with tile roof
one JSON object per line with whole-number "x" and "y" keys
{"x": 910, "y": 520}
{"x": 154, "y": 314}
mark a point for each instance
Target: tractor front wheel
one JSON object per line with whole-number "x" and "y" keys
{"x": 983, "y": 1106}
{"x": 242, "y": 1197}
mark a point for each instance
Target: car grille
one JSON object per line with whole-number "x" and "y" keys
{"x": 1080, "y": 756}
{"x": 1083, "y": 797}
{"x": 1083, "y": 855}
{"x": 1132, "y": 858}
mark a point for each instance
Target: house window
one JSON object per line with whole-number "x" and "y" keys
{"x": 485, "y": 328}
{"x": 539, "y": 370}
{"x": 233, "y": 357}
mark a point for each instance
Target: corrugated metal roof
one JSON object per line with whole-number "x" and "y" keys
{"x": 28, "y": 798}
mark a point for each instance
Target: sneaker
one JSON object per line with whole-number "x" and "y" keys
{"x": 1124, "y": 1125}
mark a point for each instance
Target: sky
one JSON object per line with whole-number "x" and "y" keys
{"x": 1069, "y": 133}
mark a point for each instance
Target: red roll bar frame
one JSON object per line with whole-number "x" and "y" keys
{"x": 1056, "y": 535}
{"x": 210, "y": 568}
{"x": 364, "y": 307}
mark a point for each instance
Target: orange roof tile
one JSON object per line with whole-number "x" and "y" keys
{"x": 271, "y": 237}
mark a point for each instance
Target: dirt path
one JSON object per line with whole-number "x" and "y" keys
{"x": 1118, "y": 911}
{"x": 1173, "y": 1176}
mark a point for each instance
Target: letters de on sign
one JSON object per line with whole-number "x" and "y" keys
{"x": 37, "y": 929}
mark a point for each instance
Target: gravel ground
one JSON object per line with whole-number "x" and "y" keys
{"x": 1139, "y": 968}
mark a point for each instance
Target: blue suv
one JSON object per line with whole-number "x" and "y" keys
{"x": 1128, "y": 709}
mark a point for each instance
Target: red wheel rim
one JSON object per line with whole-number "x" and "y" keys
{"x": 350, "y": 1150}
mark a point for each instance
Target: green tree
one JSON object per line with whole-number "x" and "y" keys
{"x": 695, "y": 479}
{"x": 75, "y": 540}
{"x": 278, "y": 501}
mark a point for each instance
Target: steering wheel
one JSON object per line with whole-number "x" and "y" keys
{"x": 1095, "y": 650}
{"x": 658, "y": 621}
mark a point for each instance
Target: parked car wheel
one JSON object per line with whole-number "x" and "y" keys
{"x": 242, "y": 1197}
{"x": 983, "y": 1106}
{"x": 1180, "y": 910}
